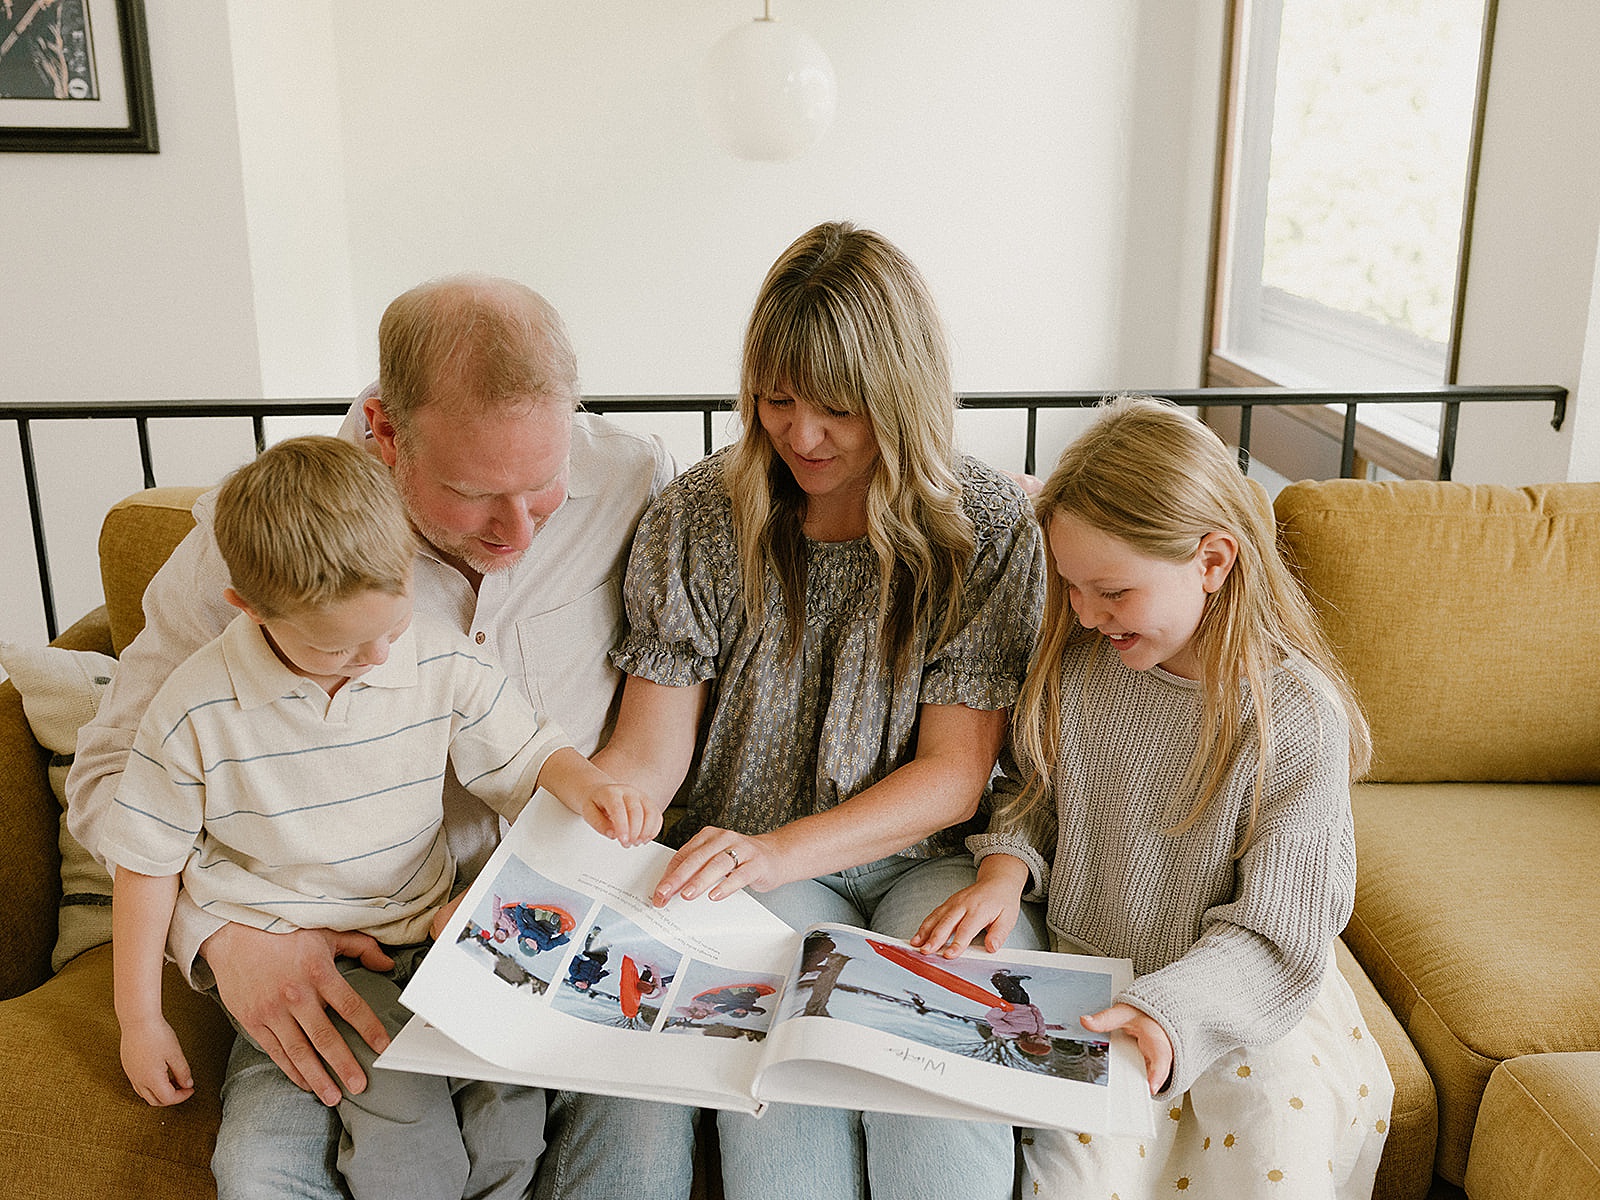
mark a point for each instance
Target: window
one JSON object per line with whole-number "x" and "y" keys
{"x": 1350, "y": 145}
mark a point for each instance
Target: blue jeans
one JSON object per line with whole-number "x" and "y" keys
{"x": 407, "y": 1134}
{"x": 792, "y": 1150}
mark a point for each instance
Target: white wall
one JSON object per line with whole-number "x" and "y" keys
{"x": 1005, "y": 152}
{"x": 1048, "y": 163}
{"x": 1531, "y": 274}
{"x": 566, "y": 150}
{"x": 122, "y": 275}
{"x": 285, "y": 61}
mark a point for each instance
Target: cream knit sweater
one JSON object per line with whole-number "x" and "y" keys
{"x": 1225, "y": 952}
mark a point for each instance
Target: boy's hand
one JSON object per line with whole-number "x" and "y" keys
{"x": 621, "y": 812}
{"x": 992, "y": 903}
{"x": 442, "y": 915}
{"x": 155, "y": 1064}
{"x": 1153, "y": 1041}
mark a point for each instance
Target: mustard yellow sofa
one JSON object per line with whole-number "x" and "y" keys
{"x": 1469, "y": 620}
{"x": 70, "y": 1126}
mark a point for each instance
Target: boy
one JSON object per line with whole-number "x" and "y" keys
{"x": 291, "y": 771}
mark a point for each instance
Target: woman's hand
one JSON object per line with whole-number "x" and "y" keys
{"x": 1153, "y": 1041}
{"x": 992, "y": 904}
{"x": 718, "y": 862}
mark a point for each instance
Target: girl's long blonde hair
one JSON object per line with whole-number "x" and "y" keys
{"x": 1157, "y": 479}
{"x": 845, "y": 321}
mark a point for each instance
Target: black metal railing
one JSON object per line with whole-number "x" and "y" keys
{"x": 142, "y": 412}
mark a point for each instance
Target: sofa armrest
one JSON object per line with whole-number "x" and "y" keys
{"x": 30, "y": 825}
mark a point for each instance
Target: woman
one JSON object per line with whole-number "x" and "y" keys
{"x": 828, "y": 622}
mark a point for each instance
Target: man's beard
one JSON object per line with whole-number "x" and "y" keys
{"x": 459, "y": 547}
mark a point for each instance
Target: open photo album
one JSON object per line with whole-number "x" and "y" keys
{"x": 557, "y": 971}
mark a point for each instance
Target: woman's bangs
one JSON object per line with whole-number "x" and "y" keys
{"x": 808, "y": 370}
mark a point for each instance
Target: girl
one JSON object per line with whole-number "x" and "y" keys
{"x": 1178, "y": 791}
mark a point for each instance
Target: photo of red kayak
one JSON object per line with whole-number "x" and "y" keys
{"x": 921, "y": 964}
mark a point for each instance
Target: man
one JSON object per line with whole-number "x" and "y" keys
{"x": 527, "y": 509}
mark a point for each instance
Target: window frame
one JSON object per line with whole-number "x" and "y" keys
{"x": 1389, "y": 440}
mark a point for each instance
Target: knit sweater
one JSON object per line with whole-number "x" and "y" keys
{"x": 1226, "y": 952}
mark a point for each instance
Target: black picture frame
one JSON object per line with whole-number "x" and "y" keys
{"x": 97, "y": 48}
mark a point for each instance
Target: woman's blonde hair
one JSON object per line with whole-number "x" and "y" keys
{"x": 310, "y": 521}
{"x": 845, "y": 321}
{"x": 1155, "y": 478}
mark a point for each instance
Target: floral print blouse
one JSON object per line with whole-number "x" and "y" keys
{"x": 781, "y": 738}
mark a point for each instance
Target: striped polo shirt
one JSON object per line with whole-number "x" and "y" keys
{"x": 285, "y": 808}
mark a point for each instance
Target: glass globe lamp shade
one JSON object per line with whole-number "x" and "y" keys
{"x": 767, "y": 91}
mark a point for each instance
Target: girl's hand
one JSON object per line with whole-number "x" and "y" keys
{"x": 950, "y": 928}
{"x": 622, "y": 812}
{"x": 1153, "y": 1041}
{"x": 717, "y": 863}
{"x": 155, "y": 1064}
{"x": 991, "y": 903}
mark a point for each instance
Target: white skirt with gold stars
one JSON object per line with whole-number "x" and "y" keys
{"x": 1303, "y": 1117}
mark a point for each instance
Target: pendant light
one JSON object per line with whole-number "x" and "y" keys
{"x": 767, "y": 90}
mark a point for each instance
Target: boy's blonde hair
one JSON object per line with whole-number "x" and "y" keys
{"x": 477, "y": 339}
{"x": 845, "y": 321}
{"x": 1155, "y": 478}
{"x": 310, "y": 521}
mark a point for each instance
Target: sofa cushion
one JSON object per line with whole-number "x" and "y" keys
{"x": 61, "y": 690}
{"x": 1538, "y": 1130}
{"x": 1465, "y": 617}
{"x": 135, "y": 539}
{"x": 71, "y": 1124}
{"x": 1474, "y": 918}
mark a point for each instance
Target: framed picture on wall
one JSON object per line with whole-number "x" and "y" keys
{"x": 75, "y": 77}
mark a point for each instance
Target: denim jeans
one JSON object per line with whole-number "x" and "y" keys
{"x": 602, "y": 1146}
{"x": 407, "y": 1134}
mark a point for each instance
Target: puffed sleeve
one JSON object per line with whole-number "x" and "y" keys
{"x": 682, "y": 582}
{"x": 983, "y": 664}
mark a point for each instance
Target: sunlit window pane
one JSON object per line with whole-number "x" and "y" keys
{"x": 1373, "y": 114}
{"x": 1350, "y": 150}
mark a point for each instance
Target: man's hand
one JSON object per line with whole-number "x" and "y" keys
{"x": 279, "y": 986}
